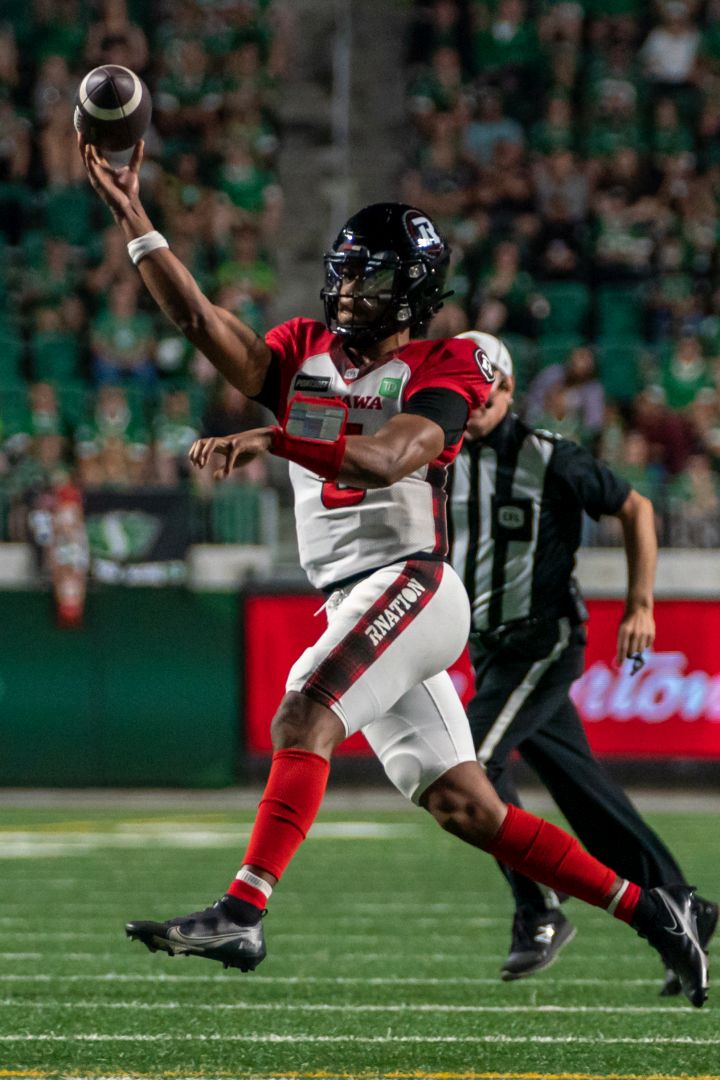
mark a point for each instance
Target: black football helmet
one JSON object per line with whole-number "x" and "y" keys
{"x": 397, "y": 262}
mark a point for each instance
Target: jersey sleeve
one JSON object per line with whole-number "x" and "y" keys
{"x": 446, "y": 408}
{"x": 454, "y": 364}
{"x": 592, "y": 485}
{"x": 290, "y": 344}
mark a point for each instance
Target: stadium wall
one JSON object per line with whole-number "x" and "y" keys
{"x": 143, "y": 695}
{"x": 150, "y": 692}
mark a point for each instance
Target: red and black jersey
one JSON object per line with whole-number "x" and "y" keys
{"x": 344, "y": 532}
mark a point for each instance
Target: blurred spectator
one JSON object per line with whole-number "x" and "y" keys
{"x": 670, "y": 136}
{"x": 54, "y": 86}
{"x": 35, "y": 446}
{"x": 443, "y": 183}
{"x": 561, "y": 188}
{"x": 694, "y": 496}
{"x": 188, "y": 94}
{"x": 489, "y": 127}
{"x": 60, "y": 28}
{"x": 174, "y": 431}
{"x": 245, "y": 280}
{"x": 684, "y": 373}
{"x": 584, "y": 398}
{"x": 61, "y": 162}
{"x": 556, "y": 130}
{"x": 667, "y": 434}
{"x": 250, "y": 186}
{"x": 122, "y": 339}
{"x": 557, "y": 415}
{"x": 115, "y": 40}
{"x": 38, "y": 416}
{"x": 113, "y": 264}
{"x": 623, "y": 244}
{"x": 506, "y": 49}
{"x": 50, "y": 275}
{"x": 704, "y": 416}
{"x": 506, "y": 283}
{"x": 635, "y": 466}
{"x": 112, "y": 442}
{"x": 438, "y": 88}
{"x": 669, "y": 51}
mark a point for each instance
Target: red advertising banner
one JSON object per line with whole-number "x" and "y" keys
{"x": 670, "y": 708}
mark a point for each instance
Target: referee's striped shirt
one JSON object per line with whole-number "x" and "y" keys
{"x": 516, "y": 500}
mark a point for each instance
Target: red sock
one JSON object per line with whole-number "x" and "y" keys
{"x": 290, "y": 802}
{"x": 551, "y": 856}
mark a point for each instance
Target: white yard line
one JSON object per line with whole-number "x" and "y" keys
{"x": 301, "y": 980}
{"x": 370, "y": 1040}
{"x": 259, "y": 1006}
{"x": 29, "y": 844}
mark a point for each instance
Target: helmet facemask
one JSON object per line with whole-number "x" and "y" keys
{"x": 363, "y": 294}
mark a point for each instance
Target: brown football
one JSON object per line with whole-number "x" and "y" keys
{"x": 113, "y": 107}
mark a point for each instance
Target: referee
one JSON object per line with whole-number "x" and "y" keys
{"x": 517, "y": 497}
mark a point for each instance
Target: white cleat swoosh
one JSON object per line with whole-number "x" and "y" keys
{"x": 176, "y": 935}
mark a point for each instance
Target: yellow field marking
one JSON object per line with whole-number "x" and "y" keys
{"x": 37, "y": 1074}
{"x": 55, "y": 827}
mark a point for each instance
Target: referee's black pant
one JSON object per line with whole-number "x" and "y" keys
{"x": 522, "y": 702}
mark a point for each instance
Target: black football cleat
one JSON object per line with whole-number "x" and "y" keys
{"x": 537, "y": 938}
{"x": 211, "y": 933}
{"x": 672, "y": 930}
{"x": 706, "y": 916}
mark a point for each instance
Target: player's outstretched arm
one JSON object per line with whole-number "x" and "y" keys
{"x": 637, "y": 627}
{"x": 403, "y": 445}
{"x": 234, "y": 348}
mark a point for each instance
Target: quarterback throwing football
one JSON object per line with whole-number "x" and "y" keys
{"x": 369, "y": 420}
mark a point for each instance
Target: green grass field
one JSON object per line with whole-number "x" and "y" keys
{"x": 385, "y": 940}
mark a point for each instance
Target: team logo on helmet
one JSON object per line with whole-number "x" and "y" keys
{"x": 422, "y": 233}
{"x": 483, "y": 362}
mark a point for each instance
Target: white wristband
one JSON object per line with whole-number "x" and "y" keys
{"x": 143, "y": 245}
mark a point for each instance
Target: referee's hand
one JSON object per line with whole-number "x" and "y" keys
{"x": 635, "y": 633}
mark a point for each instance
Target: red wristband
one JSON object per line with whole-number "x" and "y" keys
{"x": 318, "y": 455}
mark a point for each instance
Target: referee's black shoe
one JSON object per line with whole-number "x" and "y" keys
{"x": 214, "y": 933}
{"x": 537, "y": 938}
{"x": 706, "y": 916}
{"x": 666, "y": 918}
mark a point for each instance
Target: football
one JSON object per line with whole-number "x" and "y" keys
{"x": 112, "y": 108}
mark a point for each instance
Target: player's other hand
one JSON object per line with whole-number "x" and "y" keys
{"x": 116, "y": 187}
{"x": 237, "y": 450}
{"x": 636, "y": 633}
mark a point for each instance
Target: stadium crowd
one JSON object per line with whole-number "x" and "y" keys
{"x": 571, "y": 151}
{"x": 93, "y": 382}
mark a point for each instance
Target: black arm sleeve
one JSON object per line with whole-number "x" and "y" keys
{"x": 269, "y": 394}
{"x": 446, "y": 408}
{"x": 595, "y": 487}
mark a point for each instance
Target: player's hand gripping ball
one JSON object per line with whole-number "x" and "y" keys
{"x": 112, "y": 108}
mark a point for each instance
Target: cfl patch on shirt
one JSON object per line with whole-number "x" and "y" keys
{"x": 512, "y": 519}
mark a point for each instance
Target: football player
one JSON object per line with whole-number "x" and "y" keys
{"x": 369, "y": 420}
